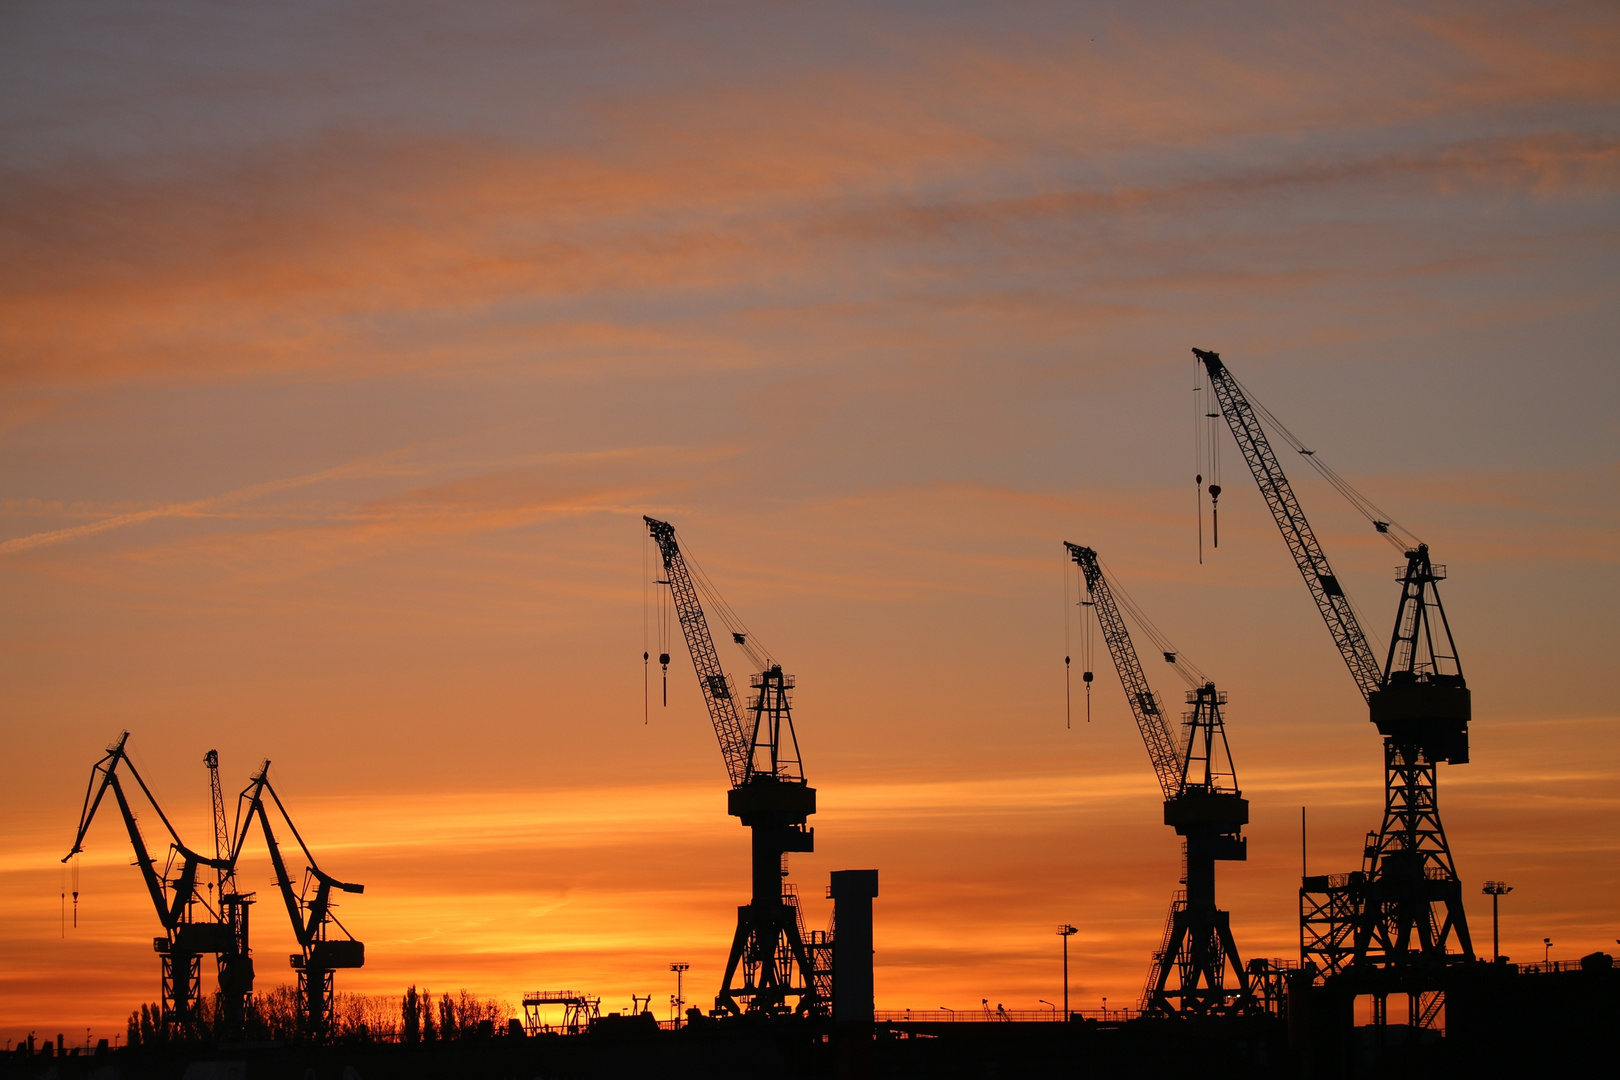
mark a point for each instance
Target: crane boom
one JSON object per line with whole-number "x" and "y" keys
{"x": 171, "y": 913}
{"x": 222, "y": 831}
{"x": 308, "y": 929}
{"x": 1161, "y": 741}
{"x": 1323, "y": 584}
{"x": 735, "y": 745}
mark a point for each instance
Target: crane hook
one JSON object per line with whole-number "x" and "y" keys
{"x": 1215, "y": 513}
{"x": 1068, "y": 708}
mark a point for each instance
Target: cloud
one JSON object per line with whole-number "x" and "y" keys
{"x": 878, "y": 310}
{"x": 939, "y": 182}
{"x": 369, "y": 466}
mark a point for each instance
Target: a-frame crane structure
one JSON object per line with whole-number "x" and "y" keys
{"x": 771, "y": 969}
{"x": 1403, "y": 910}
{"x": 192, "y": 928}
{"x": 325, "y": 944}
{"x": 1197, "y": 970}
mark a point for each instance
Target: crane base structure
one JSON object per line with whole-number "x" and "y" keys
{"x": 1404, "y": 907}
{"x": 770, "y": 968}
{"x": 1403, "y": 910}
{"x": 1197, "y": 971}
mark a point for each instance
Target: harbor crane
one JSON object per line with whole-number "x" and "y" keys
{"x": 235, "y": 906}
{"x": 191, "y": 926}
{"x": 1403, "y": 909}
{"x": 1197, "y": 971}
{"x": 772, "y": 969}
{"x": 326, "y": 945}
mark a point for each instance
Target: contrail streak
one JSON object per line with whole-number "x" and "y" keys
{"x": 197, "y": 507}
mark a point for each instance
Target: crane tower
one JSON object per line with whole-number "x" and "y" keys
{"x": 236, "y": 963}
{"x": 1197, "y": 970}
{"x": 771, "y": 968}
{"x": 1403, "y": 909}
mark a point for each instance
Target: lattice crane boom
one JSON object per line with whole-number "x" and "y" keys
{"x": 1162, "y": 745}
{"x": 222, "y": 831}
{"x": 718, "y": 692}
{"x": 1331, "y": 601}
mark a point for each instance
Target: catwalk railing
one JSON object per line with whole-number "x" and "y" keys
{"x": 1000, "y": 1016}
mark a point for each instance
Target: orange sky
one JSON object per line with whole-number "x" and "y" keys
{"x": 340, "y": 356}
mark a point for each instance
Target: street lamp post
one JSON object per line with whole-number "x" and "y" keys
{"x": 1546, "y": 952}
{"x": 680, "y": 993}
{"x": 1066, "y": 932}
{"x": 1496, "y": 890}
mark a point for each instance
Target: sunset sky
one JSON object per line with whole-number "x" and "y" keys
{"x": 343, "y": 346}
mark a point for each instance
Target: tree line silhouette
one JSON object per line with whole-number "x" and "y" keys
{"x": 274, "y": 1016}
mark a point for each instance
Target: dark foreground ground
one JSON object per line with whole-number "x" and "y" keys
{"x": 720, "y": 1050}
{"x": 1249, "y": 1048}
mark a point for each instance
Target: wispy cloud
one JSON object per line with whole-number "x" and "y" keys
{"x": 212, "y": 506}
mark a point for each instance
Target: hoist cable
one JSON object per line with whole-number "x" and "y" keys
{"x": 1189, "y": 672}
{"x": 646, "y": 633}
{"x": 1397, "y": 534}
{"x": 1068, "y": 693}
{"x": 1198, "y": 453}
{"x": 758, "y": 655}
{"x": 1088, "y": 646}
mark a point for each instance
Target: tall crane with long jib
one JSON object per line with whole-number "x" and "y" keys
{"x": 769, "y": 793}
{"x": 236, "y": 965}
{"x": 191, "y": 927}
{"x": 1403, "y": 909}
{"x": 1202, "y": 803}
{"x": 325, "y": 943}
